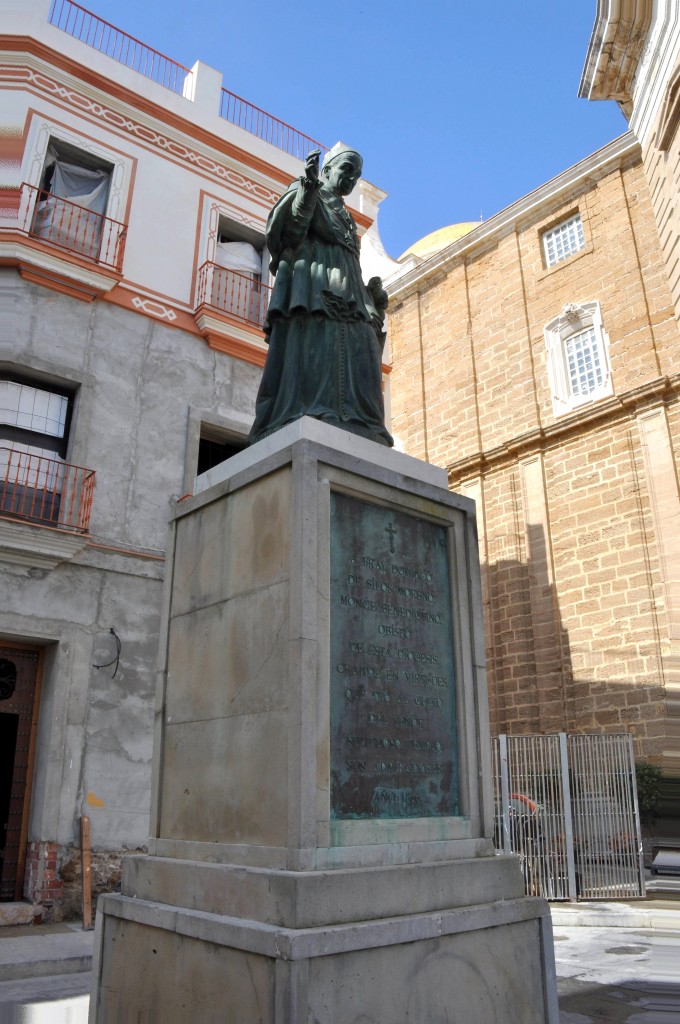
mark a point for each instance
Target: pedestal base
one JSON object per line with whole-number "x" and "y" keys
{"x": 322, "y": 808}
{"x": 448, "y": 958}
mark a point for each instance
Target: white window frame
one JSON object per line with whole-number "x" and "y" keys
{"x": 574, "y": 320}
{"x": 43, "y": 131}
{"x": 563, "y": 229}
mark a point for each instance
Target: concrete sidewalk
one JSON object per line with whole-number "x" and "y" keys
{"x": 663, "y": 914}
{"x": 33, "y": 951}
{"x": 45, "y": 974}
{"x": 45, "y": 970}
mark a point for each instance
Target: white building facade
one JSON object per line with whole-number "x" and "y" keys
{"x": 133, "y": 285}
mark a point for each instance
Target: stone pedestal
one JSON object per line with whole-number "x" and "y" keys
{"x": 320, "y": 846}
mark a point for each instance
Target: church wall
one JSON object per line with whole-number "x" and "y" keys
{"x": 574, "y": 575}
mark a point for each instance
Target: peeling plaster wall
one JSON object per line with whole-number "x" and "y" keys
{"x": 142, "y": 388}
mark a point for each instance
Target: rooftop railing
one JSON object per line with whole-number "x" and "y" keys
{"x": 258, "y": 122}
{"x": 45, "y": 491}
{"x": 237, "y": 294}
{"x": 109, "y": 40}
{"x": 71, "y": 227}
{"x": 80, "y": 23}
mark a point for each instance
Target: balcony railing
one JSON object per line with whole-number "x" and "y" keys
{"x": 80, "y": 23}
{"x": 45, "y": 491}
{"x": 93, "y": 31}
{"x": 237, "y": 294}
{"x": 71, "y": 227}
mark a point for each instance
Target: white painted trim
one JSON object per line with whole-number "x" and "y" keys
{"x": 35, "y": 547}
{"x": 572, "y": 320}
{"x": 39, "y": 135}
{"x": 633, "y": 51}
{"x": 655, "y": 68}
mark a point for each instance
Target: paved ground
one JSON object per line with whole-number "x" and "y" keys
{"x": 617, "y": 963}
{"x": 618, "y": 975}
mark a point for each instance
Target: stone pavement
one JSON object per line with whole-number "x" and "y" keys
{"x": 617, "y": 963}
{"x": 45, "y": 974}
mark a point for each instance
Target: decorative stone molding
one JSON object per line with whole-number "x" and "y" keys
{"x": 616, "y": 46}
{"x": 37, "y": 547}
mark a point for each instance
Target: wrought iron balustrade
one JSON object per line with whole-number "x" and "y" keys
{"x": 65, "y": 224}
{"x": 241, "y": 296}
{"x": 266, "y": 127}
{"x": 80, "y": 23}
{"x": 45, "y": 491}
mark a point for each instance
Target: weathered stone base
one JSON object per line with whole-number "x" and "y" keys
{"x": 445, "y": 959}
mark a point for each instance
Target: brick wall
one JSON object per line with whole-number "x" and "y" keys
{"x": 42, "y": 882}
{"x": 576, "y": 553}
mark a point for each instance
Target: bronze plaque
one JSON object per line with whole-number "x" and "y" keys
{"x": 393, "y": 701}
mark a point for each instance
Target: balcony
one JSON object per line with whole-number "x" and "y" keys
{"x": 231, "y": 292}
{"x": 230, "y": 311}
{"x": 56, "y": 241}
{"x": 73, "y": 228}
{"x": 44, "y": 508}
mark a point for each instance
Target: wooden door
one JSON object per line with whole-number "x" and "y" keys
{"x": 19, "y": 698}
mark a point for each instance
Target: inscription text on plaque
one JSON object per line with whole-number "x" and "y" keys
{"x": 393, "y": 706}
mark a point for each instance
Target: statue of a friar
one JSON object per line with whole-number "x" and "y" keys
{"x": 324, "y": 325}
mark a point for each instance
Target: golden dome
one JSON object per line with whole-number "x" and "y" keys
{"x": 438, "y": 240}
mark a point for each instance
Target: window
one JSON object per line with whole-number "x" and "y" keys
{"x": 234, "y": 279}
{"x": 584, "y": 363}
{"x": 563, "y": 240}
{"x": 72, "y": 199}
{"x": 578, "y": 357}
{"x": 213, "y": 450}
{"x": 34, "y": 425}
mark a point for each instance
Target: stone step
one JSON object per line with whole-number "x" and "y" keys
{"x": 43, "y": 950}
{"x": 13, "y": 914}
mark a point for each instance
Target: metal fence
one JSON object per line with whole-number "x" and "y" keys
{"x": 567, "y": 805}
{"x": 101, "y": 35}
{"x": 258, "y": 122}
{"x": 71, "y": 227}
{"x": 45, "y": 491}
{"x": 80, "y": 23}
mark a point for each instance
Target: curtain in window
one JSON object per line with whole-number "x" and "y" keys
{"x": 72, "y": 214}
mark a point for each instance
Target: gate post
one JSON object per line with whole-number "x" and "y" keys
{"x": 636, "y": 813}
{"x": 568, "y": 821}
{"x": 505, "y": 794}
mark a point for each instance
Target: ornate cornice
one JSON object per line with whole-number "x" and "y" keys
{"x": 542, "y": 438}
{"x": 616, "y": 46}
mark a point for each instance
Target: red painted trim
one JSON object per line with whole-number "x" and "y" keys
{"x": 24, "y": 44}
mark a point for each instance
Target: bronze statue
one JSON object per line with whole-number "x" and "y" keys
{"x": 324, "y": 325}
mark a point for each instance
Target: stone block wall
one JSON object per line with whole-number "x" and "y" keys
{"x": 574, "y": 508}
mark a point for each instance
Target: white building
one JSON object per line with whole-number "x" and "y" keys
{"x": 133, "y": 282}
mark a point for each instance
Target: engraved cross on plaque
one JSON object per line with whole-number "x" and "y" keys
{"x": 392, "y": 532}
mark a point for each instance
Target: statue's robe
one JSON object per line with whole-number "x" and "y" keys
{"x": 324, "y": 331}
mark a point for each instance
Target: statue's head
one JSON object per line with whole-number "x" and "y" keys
{"x": 341, "y": 168}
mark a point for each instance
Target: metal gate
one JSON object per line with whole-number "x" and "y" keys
{"x": 567, "y": 805}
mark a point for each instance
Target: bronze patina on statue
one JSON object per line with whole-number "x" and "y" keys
{"x": 324, "y": 325}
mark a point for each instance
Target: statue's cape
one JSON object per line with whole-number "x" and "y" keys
{"x": 315, "y": 256}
